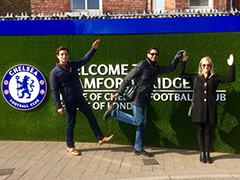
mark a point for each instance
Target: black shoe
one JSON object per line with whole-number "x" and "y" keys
{"x": 202, "y": 157}
{"x": 141, "y": 153}
{"x": 108, "y": 113}
{"x": 208, "y": 159}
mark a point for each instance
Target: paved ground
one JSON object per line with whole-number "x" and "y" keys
{"x": 36, "y": 160}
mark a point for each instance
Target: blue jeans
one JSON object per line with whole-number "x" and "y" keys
{"x": 84, "y": 107}
{"x": 138, "y": 119}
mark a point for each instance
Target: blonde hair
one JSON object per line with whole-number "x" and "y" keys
{"x": 200, "y": 66}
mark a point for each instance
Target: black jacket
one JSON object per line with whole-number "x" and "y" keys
{"x": 146, "y": 73}
{"x": 66, "y": 80}
{"x": 205, "y": 105}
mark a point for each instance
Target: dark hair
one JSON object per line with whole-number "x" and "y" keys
{"x": 151, "y": 48}
{"x": 61, "y": 48}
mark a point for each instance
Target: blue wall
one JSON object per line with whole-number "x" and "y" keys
{"x": 121, "y": 26}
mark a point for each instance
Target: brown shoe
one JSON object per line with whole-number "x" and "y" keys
{"x": 73, "y": 151}
{"x": 105, "y": 139}
{"x": 108, "y": 113}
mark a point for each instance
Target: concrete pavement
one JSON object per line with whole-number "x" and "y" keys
{"x": 42, "y": 160}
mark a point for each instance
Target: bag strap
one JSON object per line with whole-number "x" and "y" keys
{"x": 194, "y": 87}
{"x": 148, "y": 79}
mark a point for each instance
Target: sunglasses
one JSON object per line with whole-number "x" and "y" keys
{"x": 208, "y": 65}
{"x": 152, "y": 54}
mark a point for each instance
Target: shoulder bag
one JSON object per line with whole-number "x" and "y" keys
{"x": 131, "y": 90}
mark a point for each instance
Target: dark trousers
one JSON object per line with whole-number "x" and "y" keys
{"x": 204, "y": 135}
{"x": 84, "y": 107}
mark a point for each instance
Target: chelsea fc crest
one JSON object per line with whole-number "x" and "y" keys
{"x": 24, "y": 87}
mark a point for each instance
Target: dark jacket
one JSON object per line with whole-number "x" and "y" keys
{"x": 146, "y": 73}
{"x": 205, "y": 105}
{"x": 66, "y": 80}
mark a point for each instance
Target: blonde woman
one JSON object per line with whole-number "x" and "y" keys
{"x": 205, "y": 106}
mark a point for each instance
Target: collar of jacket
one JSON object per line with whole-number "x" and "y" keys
{"x": 67, "y": 68}
{"x": 208, "y": 77}
{"x": 152, "y": 65}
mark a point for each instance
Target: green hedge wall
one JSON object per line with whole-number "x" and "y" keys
{"x": 167, "y": 125}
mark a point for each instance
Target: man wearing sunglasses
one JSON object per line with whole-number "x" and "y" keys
{"x": 145, "y": 73}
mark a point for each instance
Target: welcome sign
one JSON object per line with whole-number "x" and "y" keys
{"x": 99, "y": 88}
